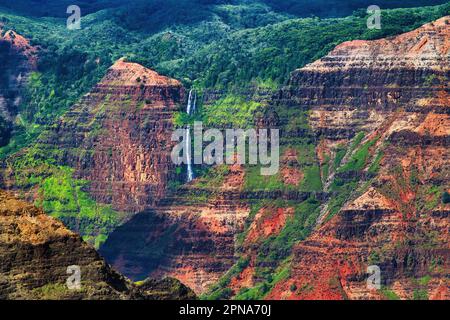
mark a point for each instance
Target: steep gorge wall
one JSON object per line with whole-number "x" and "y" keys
{"x": 374, "y": 105}
{"x": 105, "y": 159}
{"x": 395, "y": 92}
{"x": 36, "y": 251}
{"x": 190, "y": 236}
{"x": 380, "y": 107}
{"x": 118, "y": 137}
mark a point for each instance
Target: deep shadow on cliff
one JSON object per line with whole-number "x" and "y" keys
{"x": 141, "y": 245}
{"x": 151, "y": 244}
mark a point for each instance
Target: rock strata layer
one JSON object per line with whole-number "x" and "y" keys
{"x": 390, "y": 99}
{"x": 118, "y": 137}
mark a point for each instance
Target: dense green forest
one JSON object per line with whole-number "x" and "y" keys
{"x": 206, "y": 44}
{"x": 300, "y": 8}
{"x": 334, "y": 8}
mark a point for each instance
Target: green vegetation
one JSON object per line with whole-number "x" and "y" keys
{"x": 230, "y": 112}
{"x": 296, "y": 119}
{"x": 322, "y": 7}
{"x": 428, "y": 197}
{"x": 341, "y": 151}
{"x": 208, "y": 45}
{"x": 343, "y": 186}
{"x": 359, "y": 159}
{"x": 374, "y": 258}
{"x": 375, "y": 166}
{"x": 53, "y": 291}
{"x": 255, "y": 181}
{"x": 260, "y": 291}
{"x": 276, "y": 248}
{"x": 424, "y": 280}
{"x": 182, "y": 119}
{"x": 219, "y": 291}
{"x": 420, "y": 294}
{"x": 213, "y": 177}
{"x": 65, "y": 198}
{"x": 312, "y": 180}
{"x": 389, "y": 294}
{"x": 5, "y": 131}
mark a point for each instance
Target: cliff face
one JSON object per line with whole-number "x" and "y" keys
{"x": 105, "y": 159}
{"x": 36, "y": 251}
{"x": 118, "y": 137}
{"x": 380, "y": 111}
{"x": 199, "y": 233}
{"x": 115, "y": 148}
{"x": 190, "y": 236}
{"x": 364, "y": 167}
{"x": 18, "y": 60}
{"x": 378, "y": 126}
{"x": 360, "y": 83}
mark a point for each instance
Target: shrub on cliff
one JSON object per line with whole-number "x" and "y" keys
{"x": 446, "y": 197}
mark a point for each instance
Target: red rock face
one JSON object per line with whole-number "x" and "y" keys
{"x": 399, "y": 103}
{"x": 396, "y": 92}
{"x": 190, "y": 236}
{"x": 393, "y": 91}
{"x": 118, "y": 137}
{"x": 268, "y": 222}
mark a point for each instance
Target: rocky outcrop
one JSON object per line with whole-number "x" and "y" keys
{"x": 118, "y": 137}
{"x": 105, "y": 159}
{"x": 360, "y": 83}
{"x": 384, "y": 105}
{"x": 36, "y": 251}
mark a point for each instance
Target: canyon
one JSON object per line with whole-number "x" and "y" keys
{"x": 378, "y": 113}
{"x": 364, "y": 136}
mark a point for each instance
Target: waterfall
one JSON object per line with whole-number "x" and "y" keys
{"x": 192, "y": 101}
{"x": 190, "y": 171}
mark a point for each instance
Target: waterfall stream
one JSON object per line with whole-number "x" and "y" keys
{"x": 192, "y": 101}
